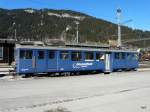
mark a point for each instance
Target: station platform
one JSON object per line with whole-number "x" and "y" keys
{"x": 5, "y": 69}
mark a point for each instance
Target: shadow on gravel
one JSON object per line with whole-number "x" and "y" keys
{"x": 58, "y": 109}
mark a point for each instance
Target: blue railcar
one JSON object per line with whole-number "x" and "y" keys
{"x": 38, "y": 59}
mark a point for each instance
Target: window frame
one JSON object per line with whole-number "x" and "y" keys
{"x": 26, "y": 54}
{"x": 123, "y": 55}
{"x": 119, "y": 55}
{"x": 41, "y": 57}
{"x": 87, "y": 55}
{"x": 102, "y": 56}
{"x": 135, "y": 56}
{"x": 132, "y": 56}
{"x": 53, "y": 56}
{"x": 64, "y": 53}
{"x": 128, "y": 56}
{"x": 79, "y": 57}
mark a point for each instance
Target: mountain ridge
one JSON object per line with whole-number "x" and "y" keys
{"x": 38, "y": 24}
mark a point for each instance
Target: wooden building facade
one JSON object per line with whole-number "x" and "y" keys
{"x": 7, "y": 51}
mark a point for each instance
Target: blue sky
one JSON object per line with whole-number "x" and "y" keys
{"x": 138, "y": 10}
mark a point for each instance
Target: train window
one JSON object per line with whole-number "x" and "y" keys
{"x": 88, "y": 56}
{"x": 123, "y": 55}
{"x": 100, "y": 56}
{"x": 29, "y": 54}
{"x": 135, "y": 57}
{"x": 64, "y": 55}
{"x": 76, "y": 56}
{"x": 51, "y": 54}
{"x": 1, "y": 52}
{"x": 129, "y": 56}
{"x": 120, "y": 55}
{"x": 22, "y": 54}
{"x": 117, "y": 56}
{"x": 26, "y": 54}
{"x": 40, "y": 54}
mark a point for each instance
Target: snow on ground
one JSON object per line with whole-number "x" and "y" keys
{"x": 66, "y": 15}
{"x": 117, "y": 92}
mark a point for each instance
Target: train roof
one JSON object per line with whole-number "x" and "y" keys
{"x": 87, "y": 45}
{"x": 74, "y": 48}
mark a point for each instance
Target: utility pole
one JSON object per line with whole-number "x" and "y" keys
{"x": 77, "y": 32}
{"x": 15, "y": 31}
{"x": 15, "y": 34}
{"x": 42, "y": 16}
{"x": 119, "y": 27}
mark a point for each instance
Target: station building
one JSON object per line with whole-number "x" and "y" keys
{"x": 7, "y": 51}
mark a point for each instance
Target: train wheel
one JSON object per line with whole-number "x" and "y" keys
{"x": 134, "y": 69}
{"x": 28, "y": 75}
{"x": 106, "y": 73}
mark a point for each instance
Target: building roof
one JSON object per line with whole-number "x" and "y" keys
{"x": 11, "y": 41}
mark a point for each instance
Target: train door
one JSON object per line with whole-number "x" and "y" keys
{"x": 52, "y": 61}
{"x": 107, "y": 63}
{"x": 25, "y": 63}
{"x": 40, "y": 61}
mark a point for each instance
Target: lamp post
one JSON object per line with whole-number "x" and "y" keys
{"x": 119, "y": 27}
{"x": 119, "y": 44}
